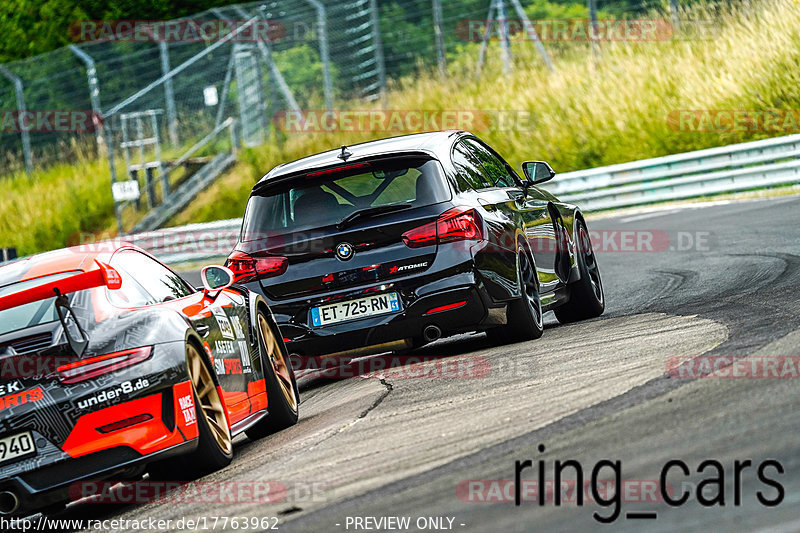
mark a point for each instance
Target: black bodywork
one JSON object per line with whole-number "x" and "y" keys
{"x": 63, "y": 417}
{"x": 515, "y": 215}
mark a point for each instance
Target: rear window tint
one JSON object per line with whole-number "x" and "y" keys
{"x": 38, "y": 312}
{"x": 317, "y": 201}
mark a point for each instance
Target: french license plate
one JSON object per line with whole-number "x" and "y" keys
{"x": 379, "y": 304}
{"x": 16, "y": 446}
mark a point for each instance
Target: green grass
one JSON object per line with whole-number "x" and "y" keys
{"x": 54, "y": 207}
{"x": 588, "y": 113}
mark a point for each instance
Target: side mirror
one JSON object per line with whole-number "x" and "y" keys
{"x": 216, "y": 278}
{"x": 537, "y": 172}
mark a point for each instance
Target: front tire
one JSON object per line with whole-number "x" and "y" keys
{"x": 524, "y": 314}
{"x": 586, "y": 296}
{"x": 282, "y": 391}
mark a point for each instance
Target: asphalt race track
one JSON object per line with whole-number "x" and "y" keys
{"x": 426, "y": 439}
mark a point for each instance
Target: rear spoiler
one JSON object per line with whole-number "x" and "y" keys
{"x": 103, "y": 275}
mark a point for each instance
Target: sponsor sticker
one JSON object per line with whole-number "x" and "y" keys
{"x": 223, "y": 321}
{"x": 20, "y": 398}
{"x": 244, "y": 352}
{"x": 186, "y": 404}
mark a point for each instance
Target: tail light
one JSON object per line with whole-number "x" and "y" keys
{"x": 457, "y": 224}
{"x": 102, "y": 364}
{"x": 247, "y": 267}
{"x": 447, "y": 307}
{"x": 122, "y": 424}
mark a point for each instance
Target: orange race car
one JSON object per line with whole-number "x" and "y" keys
{"x": 111, "y": 363}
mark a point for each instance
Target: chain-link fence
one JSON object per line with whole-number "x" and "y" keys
{"x": 246, "y": 61}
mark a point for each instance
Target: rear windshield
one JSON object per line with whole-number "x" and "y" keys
{"x": 35, "y": 313}
{"x": 315, "y": 201}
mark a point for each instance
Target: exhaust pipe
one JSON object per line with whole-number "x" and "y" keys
{"x": 9, "y": 503}
{"x": 431, "y": 333}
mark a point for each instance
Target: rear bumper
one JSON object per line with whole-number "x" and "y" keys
{"x": 61, "y": 482}
{"x": 377, "y": 334}
{"x": 56, "y": 474}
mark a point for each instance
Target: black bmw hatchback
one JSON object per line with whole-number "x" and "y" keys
{"x": 390, "y": 244}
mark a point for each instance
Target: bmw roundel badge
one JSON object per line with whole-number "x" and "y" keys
{"x": 344, "y": 251}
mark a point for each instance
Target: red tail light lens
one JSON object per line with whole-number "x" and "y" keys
{"x": 247, "y": 267}
{"x": 421, "y": 236}
{"x": 102, "y": 364}
{"x": 336, "y": 170}
{"x": 122, "y": 424}
{"x": 457, "y": 224}
{"x": 447, "y": 307}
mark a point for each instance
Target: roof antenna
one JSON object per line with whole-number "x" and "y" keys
{"x": 345, "y": 154}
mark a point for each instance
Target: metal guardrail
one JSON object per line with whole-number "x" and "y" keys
{"x": 192, "y": 243}
{"x": 731, "y": 168}
{"x": 725, "y": 169}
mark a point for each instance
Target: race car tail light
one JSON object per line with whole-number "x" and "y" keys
{"x": 457, "y": 224}
{"x": 447, "y": 307}
{"x": 122, "y": 424}
{"x": 246, "y": 267}
{"x": 102, "y": 364}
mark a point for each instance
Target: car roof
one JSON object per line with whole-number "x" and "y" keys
{"x": 77, "y": 258}
{"x": 430, "y": 142}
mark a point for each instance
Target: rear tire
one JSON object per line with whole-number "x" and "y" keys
{"x": 215, "y": 443}
{"x": 525, "y": 313}
{"x": 282, "y": 391}
{"x": 586, "y": 296}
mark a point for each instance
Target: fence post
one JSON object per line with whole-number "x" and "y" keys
{"x": 673, "y": 10}
{"x": 103, "y": 133}
{"x": 25, "y": 135}
{"x": 169, "y": 95}
{"x": 504, "y": 44}
{"x": 94, "y": 92}
{"x": 439, "y": 36}
{"x": 531, "y": 30}
{"x": 485, "y": 40}
{"x": 267, "y": 53}
{"x": 380, "y": 62}
{"x": 592, "y": 5}
{"x": 324, "y": 54}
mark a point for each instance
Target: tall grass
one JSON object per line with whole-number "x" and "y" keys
{"x": 589, "y": 112}
{"x": 54, "y": 206}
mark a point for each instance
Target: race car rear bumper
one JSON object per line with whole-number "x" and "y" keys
{"x": 61, "y": 481}
{"x": 118, "y": 440}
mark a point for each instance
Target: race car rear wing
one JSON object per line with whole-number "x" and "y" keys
{"x": 102, "y": 275}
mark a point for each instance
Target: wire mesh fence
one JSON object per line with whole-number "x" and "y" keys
{"x": 251, "y": 60}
